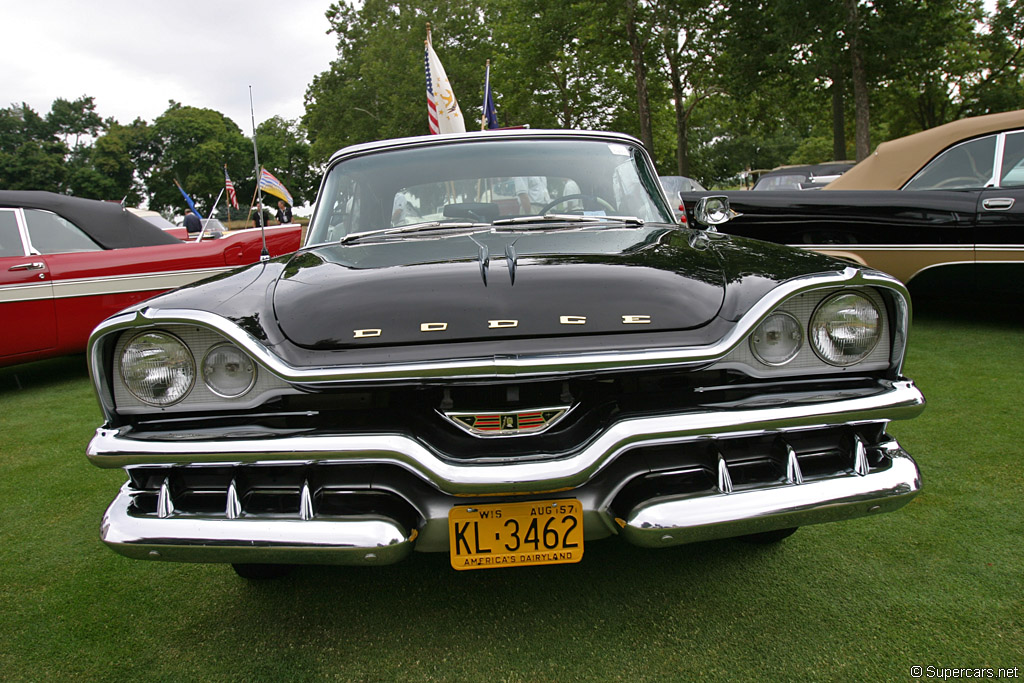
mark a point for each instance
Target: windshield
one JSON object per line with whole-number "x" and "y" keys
{"x": 483, "y": 181}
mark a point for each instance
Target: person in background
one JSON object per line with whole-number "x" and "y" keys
{"x": 192, "y": 223}
{"x": 284, "y": 212}
{"x": 259, "y": 217}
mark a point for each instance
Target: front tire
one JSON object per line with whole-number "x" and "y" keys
{"x": 768, "y": 537}
{"x": 261, "y": 572}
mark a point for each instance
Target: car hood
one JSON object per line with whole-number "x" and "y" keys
{"x": 494, "y": 285}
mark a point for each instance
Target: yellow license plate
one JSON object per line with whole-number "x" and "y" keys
{"x": 516, "y": 534}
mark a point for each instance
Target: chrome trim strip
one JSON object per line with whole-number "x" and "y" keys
{"x": 888, "y": 247}
{"x": 306, "y": 541}
{"x": 895, "y": 401}
{"x": 495, "y": 366}
{"x": 100, "y": 286}
{"x": 95, "y": 286}
{"x": 671, "y": 520}
{"x": 32, "y": 291}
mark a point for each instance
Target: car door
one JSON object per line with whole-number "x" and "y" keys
{"x": 999, "y": 231}
{"x": 27, "y": 310}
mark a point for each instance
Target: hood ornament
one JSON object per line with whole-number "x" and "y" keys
{"x": 507, "y": 423}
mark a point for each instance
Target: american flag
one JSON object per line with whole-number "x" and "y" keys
{"x": 443, "y": 111}
{"x": 431, "y": 105}
{"x": 232, "y": 197}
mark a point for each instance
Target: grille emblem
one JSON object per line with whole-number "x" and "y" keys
{"x": 508, "y": 423}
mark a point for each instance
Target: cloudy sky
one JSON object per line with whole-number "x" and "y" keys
{"x": 133, "y": 56}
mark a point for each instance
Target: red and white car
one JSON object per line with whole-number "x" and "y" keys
{"x": 67, "y": 263}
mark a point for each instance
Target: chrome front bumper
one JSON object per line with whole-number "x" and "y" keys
{"x": 879, "y": 477}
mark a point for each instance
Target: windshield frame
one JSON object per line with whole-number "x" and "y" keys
{"x": 639, "y": 157}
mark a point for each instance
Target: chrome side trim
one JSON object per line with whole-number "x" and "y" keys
{"x": 33, "y": 291}
{"x": 303, "y": 541}
{"x": 672, "y": 520}
{"x": 492, "y": 367}
{"x": 100, "y": 286}
{"x": 894, "y": 401}
{"x": 143, "y": 282}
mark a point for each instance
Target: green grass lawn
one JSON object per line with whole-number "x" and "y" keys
{"x": 939, "y": 583}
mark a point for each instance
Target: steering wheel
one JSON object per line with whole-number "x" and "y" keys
{"x": 570, "y": 197}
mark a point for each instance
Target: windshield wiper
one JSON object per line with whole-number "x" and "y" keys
{"x": 414, "y": 227}
{"x": 520, "y": 221}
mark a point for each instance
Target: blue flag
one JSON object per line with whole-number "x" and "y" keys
{"x": 188, "y": 200}
{"x": 490, "y": 117}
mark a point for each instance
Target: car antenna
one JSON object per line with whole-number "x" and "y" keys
{"x": 264, "y": 255}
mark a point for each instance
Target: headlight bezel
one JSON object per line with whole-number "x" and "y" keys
{"x": 806, "y": 363}
{"x": 751, "y": 339}
{"x": 813, "y": 337}
{"x": 126, "y": 368}
{"x": 199, "y": 340}
{"x": 203, "y": 371}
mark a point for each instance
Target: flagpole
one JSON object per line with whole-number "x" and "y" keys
{"x": 265, "y": 254}
{"x": 215, "y": 201}
{"x": 487, "y": 90}
{"x": 227, "y": 200}
{"x": 251, "y": 203}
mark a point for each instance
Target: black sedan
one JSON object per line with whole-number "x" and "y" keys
{"x": 500, "y": 346}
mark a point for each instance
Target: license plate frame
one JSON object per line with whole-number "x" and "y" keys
{"x": 516, "y": 534}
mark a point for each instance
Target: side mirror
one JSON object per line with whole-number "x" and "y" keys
{"x": 714, "y": 210}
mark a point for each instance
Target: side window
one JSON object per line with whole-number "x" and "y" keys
{"x": 10, "y": 239}
{"x": 51, "y": 234}
{"x": 1012, "y": 172}
{"x": 967, "y": 165}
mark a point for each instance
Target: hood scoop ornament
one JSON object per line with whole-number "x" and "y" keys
{"x": 484, "y": 258}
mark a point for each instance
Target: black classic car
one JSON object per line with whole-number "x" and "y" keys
{"x": 800, "y": 177}
{"x": 500, "y": 346}
{"x": 943, "y": 207}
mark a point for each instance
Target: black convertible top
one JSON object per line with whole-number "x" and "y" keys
{"x": 105, "y": 222}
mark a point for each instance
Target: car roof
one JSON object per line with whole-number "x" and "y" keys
{"x": 824, "y": 168}
{"x": 895, "y": 162}
{"x": 107, "y": 223}
{"x": 511, "y": 133}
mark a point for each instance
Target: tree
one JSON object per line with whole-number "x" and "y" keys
{"x": 31, "y": 154}
{"x": 571, "y": 72}
{"x": 192, "y": 146}
{"x": 689, "y": 44}
{"x": 377, "y": 86}
{"x": 284, "y": 151}
{"x": 76, "y": 118}
{"x": 117, "y": 164}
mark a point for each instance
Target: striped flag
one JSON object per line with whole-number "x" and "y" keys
{"x": 230, "y": 186}
{"x": 431, "y": 105}
{"x": 489, "y": 120}
{"x": 443, "y": 113}
{"x": 271, "y": 185}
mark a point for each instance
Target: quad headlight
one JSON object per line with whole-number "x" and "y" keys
{"x": 845, "y": 328}
{"x": 778, "y": 339}
{"x": 157, "y": 368}
{"x": 227, "y": 371}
